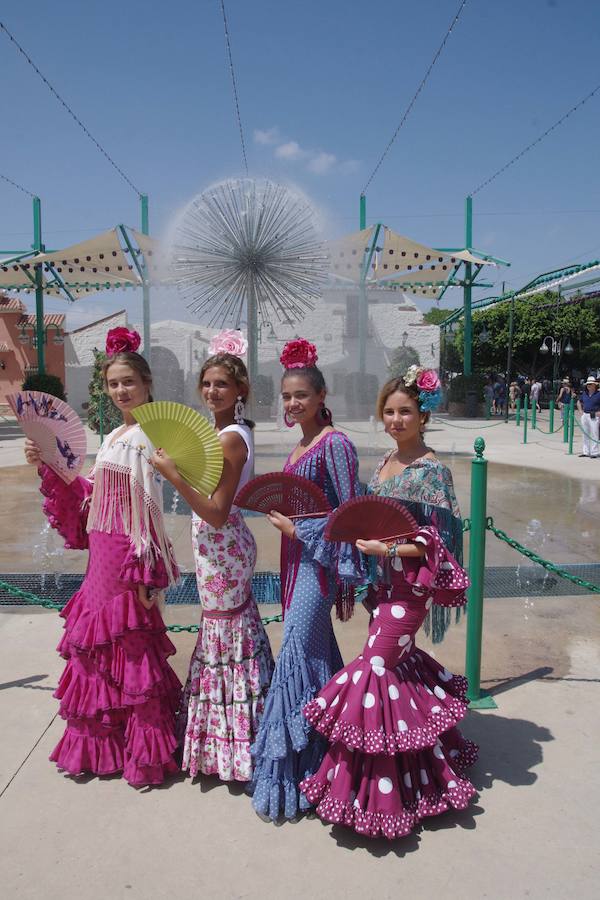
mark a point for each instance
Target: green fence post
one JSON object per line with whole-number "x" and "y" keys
{"x": 571, "y": 424}
{"x": 566, "y": 414}
{"x": 525, "y": 410}
{"x": 551, "y": 426}
{"x": 488, "y": 408}
{"x": 478, "y": 698}
{"x": 101, "y": 417}
{"x": 518, "y": 414}
{"x": 533, "y": 414}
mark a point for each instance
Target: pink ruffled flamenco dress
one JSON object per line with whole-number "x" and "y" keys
{"x": 118, "y": 693}
{"x": 390, "y": 716}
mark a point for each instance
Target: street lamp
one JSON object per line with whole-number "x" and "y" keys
{"x": 484, "y": 335}
{"x": 556, "y": 348}
{"x": 30, "y": 337}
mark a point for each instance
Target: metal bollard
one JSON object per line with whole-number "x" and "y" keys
{"x": 566, "y": 414}
{"x": 478, "y": 699}
{"x": 551, "y": 425}
{"x": 571, "y": 424}
{"x": 525, "y": 411}
{"x": 518, "y": 415}
{"x": 533, "y": 414}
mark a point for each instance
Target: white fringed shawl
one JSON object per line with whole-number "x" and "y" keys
{"x": 127, "y": 496}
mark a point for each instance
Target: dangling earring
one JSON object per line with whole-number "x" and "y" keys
{"x": 290, "y": 424}
{"x": 238, "y": 411}
{"x": 326, "y": 415}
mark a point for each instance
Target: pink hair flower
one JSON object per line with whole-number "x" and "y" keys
{"x": 122, "y": 340}
{"x": 228, "y": 341}
{"x": 299, "y": 354}
{"x": 428, "y": 380}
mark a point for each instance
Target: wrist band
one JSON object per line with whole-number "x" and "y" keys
{"x": 392, "y": 551}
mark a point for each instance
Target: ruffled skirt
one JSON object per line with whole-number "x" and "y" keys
{"x": 118, "y": 693}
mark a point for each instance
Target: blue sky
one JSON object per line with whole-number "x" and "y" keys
{"x": 322, "y": 88}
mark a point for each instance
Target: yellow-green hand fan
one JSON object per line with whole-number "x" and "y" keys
{"x": 187, "y": 437}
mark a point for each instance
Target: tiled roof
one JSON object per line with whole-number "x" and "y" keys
{"x": 49, "y": 319}
{"x": 11, "y": 304}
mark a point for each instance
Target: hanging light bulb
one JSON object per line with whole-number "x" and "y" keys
{"x": 569, "y": 347}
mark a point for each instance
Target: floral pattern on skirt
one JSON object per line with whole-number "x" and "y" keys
{"x": 232, "y": 664}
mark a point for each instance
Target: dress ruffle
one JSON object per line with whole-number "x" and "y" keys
{"x": 285, "y": 751}
{"x": 66, "y": 506}
{"x": 224, "y": 698}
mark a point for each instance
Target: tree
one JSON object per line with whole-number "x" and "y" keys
{"x": 111, "y": 417}
{"x": 435, "y": 315}
{"x": 47, "y": 384}
{"x": 402, "y": 358}
{"x": 534, "y": 319}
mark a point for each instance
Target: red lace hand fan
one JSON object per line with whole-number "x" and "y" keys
{"x": 370, "y": 518}
{"x": 290, "y": 495}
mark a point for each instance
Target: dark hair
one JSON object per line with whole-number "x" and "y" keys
{"x": 316, "y": 379}
{"x": 135, "y": 361}
{"x": 397, "y": 384}
{"x": 235, "y": 368}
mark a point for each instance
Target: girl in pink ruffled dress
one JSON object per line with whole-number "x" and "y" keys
{"x": 231, "y": 667}
{"x": 390, "y": 716}
{"x": 118, "y": 693}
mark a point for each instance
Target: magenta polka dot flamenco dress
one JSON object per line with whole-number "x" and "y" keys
{"x": 390, "y": 716}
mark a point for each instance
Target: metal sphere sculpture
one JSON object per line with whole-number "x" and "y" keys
{"x": 247, "y": 249}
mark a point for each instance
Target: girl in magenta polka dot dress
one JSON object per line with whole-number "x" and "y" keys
{"x": 118, "y": 693}
{"x": 390, "y": 716}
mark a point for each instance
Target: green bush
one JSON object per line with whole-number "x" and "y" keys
{"x": 464, "y": 384}
{"x": 48, "y": 384}
{"x": 401, "y": 360}
{"x": 111, "y": 417}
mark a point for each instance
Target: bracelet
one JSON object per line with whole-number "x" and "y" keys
{"x": 392, "y": 551}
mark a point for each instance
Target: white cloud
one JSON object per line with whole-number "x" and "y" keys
{"x": 318, "y": 162}
{"x": 266, "y": 136}
{"x": 292, "y": 150}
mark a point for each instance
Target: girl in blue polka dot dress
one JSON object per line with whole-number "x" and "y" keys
{"x": 314, "y": 573}
{"x": 390, "y": 715}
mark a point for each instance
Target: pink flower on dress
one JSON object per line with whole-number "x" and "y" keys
{"x": 428, "y": 380}
{"x": 217, "y": 585}
{"x": 299, "y": 354}
{"x": 122, "y": 340}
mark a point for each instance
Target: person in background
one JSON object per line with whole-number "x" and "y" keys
{"x": 588, "y": 405}
{"x": 514, "y": 393}
{"x": 536, "y": 389}
{"x": 563, "y": 398}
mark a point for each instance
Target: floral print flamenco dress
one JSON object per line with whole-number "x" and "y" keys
{"x": 390, "y": 716}
{"x": 118, "y": 693}
{"x": 315, "y": 573}
{"x": 231, "y": 667}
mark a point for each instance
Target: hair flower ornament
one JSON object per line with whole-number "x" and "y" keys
{"x": 122, "y": 340}
{"x": 428, "y": 385}
{"x": 299, "y": 354}
{"x": 228, "y": 341}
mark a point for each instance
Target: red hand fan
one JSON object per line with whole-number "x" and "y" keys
{"x": 55, "y": 428}
{"x": 370, "y": 518}
{"x": 290, "y": 495}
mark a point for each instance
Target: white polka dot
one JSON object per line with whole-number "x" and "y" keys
{"x": 454, "y": 753}
{"x": 438, "y": 752}
{"x": 322, "y": 702}
{"x": 407, "y": 779}
{"x": 356, "y": 676}
{"x": 452, "y": 784}
{"x": 445, "y": 675}
{"x": 439, "y": 692}
{"x": 378, "y": 670}
{"x": 426, "y": 688}
{"x": 436, "y": 709}
{"x": 424, "y": 777}
{"x": 446, "y": 566}
{"x": 330, "y": 774}
{"x": 385, "y": 785}
{"x": 393, "y": 692}
{"x": 428, "y": 603}
{"x": 337, "y": 769}
{"x": 377, "y": 661}
{"x": 412, "y": 703}
{"x": 335, "y": 701}
{"x": 403, "y": 640}
{"x": 368, "y": 700}
{"x": 397, "y": 611}
{"x": 402, "y": 726}
{"x": 342, "y": 679}
{"x": 356, "y": 804}
{"x": 344, "y": 707}
{"x": 372, "y": 640}
{"x": 418, "y": 592}
{"x": 418, "y": 795}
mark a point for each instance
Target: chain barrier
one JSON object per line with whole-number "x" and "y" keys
{"x": 466, "y": 427}
{"x": 546, "y": 564}
{"x": 583, "y": 431}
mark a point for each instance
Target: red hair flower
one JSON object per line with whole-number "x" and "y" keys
{"x": 299, "y": 354}
{"x": 122, "y": 340}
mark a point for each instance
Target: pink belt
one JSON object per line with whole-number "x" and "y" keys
{"x": 226, "y": 613}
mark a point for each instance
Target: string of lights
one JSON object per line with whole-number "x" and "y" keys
{"x": 234, "y": 84}
{"x": 68, "y": 108}
{"x": 17, "y": 186}
{"x": 537, "y": 141}
{"x": 415, "y": 96}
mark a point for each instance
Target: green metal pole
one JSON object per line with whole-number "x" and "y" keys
{"x": 39, "y": 286}
{"x": 566, "y": 415}
{"x": 518, "y": 412}
{"x": 476, "y": 576}
{"x": 511, "y": 329}
{"x": 533, "y": 414}
{"x": 488, "y": 408}
{"x": 363, "y": 212}
{"x": 147, "y": 352}
{"x": 571, "y": 424}
{"x": 551, "y": 427}
{"x": 468, "y": 322}
{"x": 525, "y": 411}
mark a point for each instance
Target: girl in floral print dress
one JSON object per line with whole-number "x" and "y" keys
{"x": 231, "y": 667}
